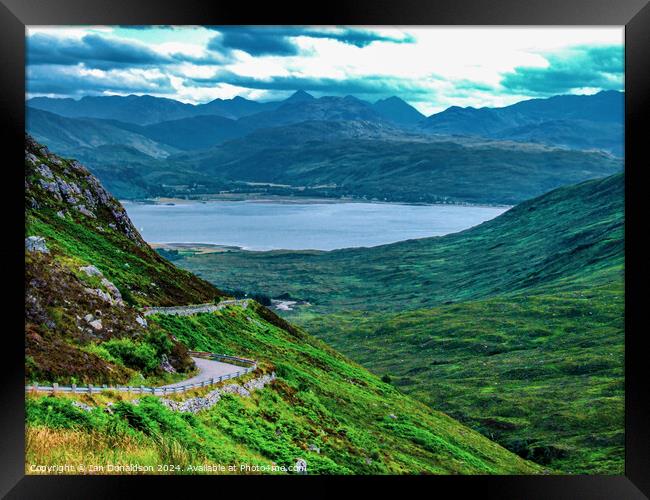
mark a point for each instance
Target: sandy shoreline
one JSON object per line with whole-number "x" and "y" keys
{"x": 199, "y": 248}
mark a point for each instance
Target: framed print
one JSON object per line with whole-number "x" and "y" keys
{"x": 376, "y": 244}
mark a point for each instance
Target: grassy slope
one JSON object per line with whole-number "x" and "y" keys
{"x": 508, "y": 319}
{"x": 320, "y": 397}
{"x": 104, "y": 239}
{"x": 129, "y": 174}
{"x": 66, "y": 135}
{"x": 143, "y": 277}
{"x": 548, "y": 240}
{"x": 540, "y": 374}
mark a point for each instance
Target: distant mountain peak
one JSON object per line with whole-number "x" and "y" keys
{"x": 398, "y": 110}
{"x": 300, "y": 95}
{"x": 391, "y": 99}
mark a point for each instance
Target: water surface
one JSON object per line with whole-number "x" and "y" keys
{"x": 255, "y": 225}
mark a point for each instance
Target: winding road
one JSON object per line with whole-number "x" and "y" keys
{"x": 208, "y": 369}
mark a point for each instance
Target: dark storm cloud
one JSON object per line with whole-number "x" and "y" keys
{"x": 368, "y": 85}
{"x": 587, "y": 66}
{"x": 93, "y": 50}
{"x": 96, "y": 51}
{"x": 254, "y": 43}
{"x": 262, "y": 40}
{"x": 58, "y": 80}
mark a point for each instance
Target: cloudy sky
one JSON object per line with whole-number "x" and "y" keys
{"x": 431, "y": 68}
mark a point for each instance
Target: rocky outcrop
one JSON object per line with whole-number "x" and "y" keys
{"x": 98, "y": 292}
{"x": 36, "y": 244}
{"x": 90, "y": 271}
{"x": 301, "y": 466}
{"x": 82, "y": 406}
{"x": 62, "y": 311}
{"x": 51, "y": 181}
{"x": 66, "y": 280}
{"x": 166, "y": 366}
{"x": 113, "y": 290}
{"x": 113, "y": 296}
{"x": 96, "y": 324}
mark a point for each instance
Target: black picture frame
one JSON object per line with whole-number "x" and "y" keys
{"x": 634, "y": 14}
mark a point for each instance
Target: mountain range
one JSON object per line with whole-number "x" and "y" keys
{"x": 188, "y": 127}
{"x": 383, "y": 151}
{"x": 146, "y": 109}
{"x": 578, "y": 121}
{"x": 548, "y": 121}
{"x": 389, "y": 168}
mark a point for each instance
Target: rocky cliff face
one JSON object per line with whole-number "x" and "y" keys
{"x": 88, "y": 273}
{"x": 51, "y": 182}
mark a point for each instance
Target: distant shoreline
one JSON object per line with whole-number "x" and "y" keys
{"x": 291, "y": 200}
{"x": 199, "y": 248}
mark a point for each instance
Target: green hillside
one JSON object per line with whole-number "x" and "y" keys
{"x": 429, "y": 170}
{"x": 88, "y": 274}
{"x": 558, "y": 240}
{"x": 542, "y": 374}
{"x": 514, "y": 327}
{"x": 358, "y": 424}
{"x": 68, "y": 135}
